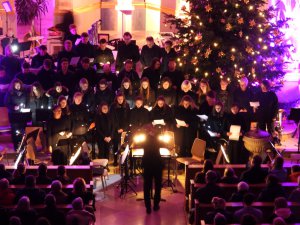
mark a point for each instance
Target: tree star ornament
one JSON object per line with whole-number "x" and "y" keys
{"x": 218, "y": 70}
{"x": 221, "y": 54}
{"x": 252, "y": 23}
{"x": 249, "y": 49}
{"x": 240, "y": 20}
{"x": 228, "y": 27}
{"x": 208, "y": 8}
{"x": 198, "y": 37}
{"x": 207, "y": 53}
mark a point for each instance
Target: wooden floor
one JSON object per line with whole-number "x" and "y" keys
{"x": 111, "y": 209}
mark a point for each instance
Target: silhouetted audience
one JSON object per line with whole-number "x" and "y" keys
{"x": 248, "y": 209}
{"x": 255, "y": 174}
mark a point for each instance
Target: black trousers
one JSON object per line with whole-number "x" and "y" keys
{"x": 151, "y": 174}
{"x": 103, "y": 149}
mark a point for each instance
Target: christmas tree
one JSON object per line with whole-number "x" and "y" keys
{"x": 231, "y": 38}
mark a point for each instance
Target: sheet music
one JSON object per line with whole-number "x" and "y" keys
{"x": 235, "y": 132}
{"x": 254, "y": 104}
{"x": 181, "y": 123}
{"x": 212, "y": 134}
{"x": 24, "y": 110}
{"x": 74, "y": 60}
{"x": 158, "y": 122}
{"x": 78, "y": 40}
{"x": 203, "y": 117}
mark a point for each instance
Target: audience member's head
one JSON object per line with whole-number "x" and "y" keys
{"x": 79, "y": 185}
{"x": 42, "y": 170}
{"x": 211, "y": 177}
{"x": 56, "y": 186}
{"x": 229, "y": 172}
{"x": 256, "y": 161}
{"x": 42, "y": 221}
{"x": 295, "y": 169}
{"x": 2, "y": 167}
{"x": 278, "y": 221}
{"x": 218, "y": 203}
{"x": 30, "y": 181}
{"x": 61, "y": 170}
{"x": 208, "y": 165}
{"x": 278, "y": 163}
{"x": 272, "y": 180}
{"x": 4, "y": 184}
{"x": 280, "y": 203}
{"x": 23, "y": 204}
{"x": 21, "y": 168}
{"x": 219, "y": 219}
{"x": 50, "y": 201}
{"x": 248, "y": 199}
{"x": 14, "y": 220}
{"x": 248, "y": 219}
{"x": 242, "y": 186}
{"x": 77, "y": 204}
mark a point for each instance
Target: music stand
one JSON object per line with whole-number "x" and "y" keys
{"x": 124, "y": 183}
{"x": 23, "y": 46}
{"x": 20, "y": 117}
{"x": 66, "y": 142}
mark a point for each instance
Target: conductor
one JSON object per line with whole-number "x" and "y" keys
{"x": 153, "y": 166}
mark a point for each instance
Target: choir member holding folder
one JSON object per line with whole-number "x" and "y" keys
{"x": 234, "y": 128}
{"x": 161, "y": 114}
{"x": 186, "y": 125}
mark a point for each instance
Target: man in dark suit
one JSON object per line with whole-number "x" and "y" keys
{"x": 149, "y": 52}
{"x": 153, "y": 166}
{"x": 127, "y": 50}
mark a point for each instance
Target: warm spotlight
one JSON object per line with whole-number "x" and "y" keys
{"x": 139, "y": 138}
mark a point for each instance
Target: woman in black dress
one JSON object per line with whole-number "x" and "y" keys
{"x": 147, "y": 93}
{"x": 38, "y": 100}
{"x": 120, "y": 114}
{"x": 167, "y": 91}
{"x": 161, "y": 111}
{"x": 202, "y": 91}
{"x": 127, "y": 89}
{"x": 79, "y": 116}
{"x": 104, "y": 130}
{"x": 213, "y": 130}
{"x": 153, "y": 73}
{"x": 58, "y": 127}
{"x": 236, "y": 150}
{"x": 15, "y": 100}
{"x": 63, "y": 103}
{"x": 186, "y": 89}
{"x": 139, "y": 115}
{"x": 185, "y": 135}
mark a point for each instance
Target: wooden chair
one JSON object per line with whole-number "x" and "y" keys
{"x": 198, "y": 150}
{"x": 99, "y": 170}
